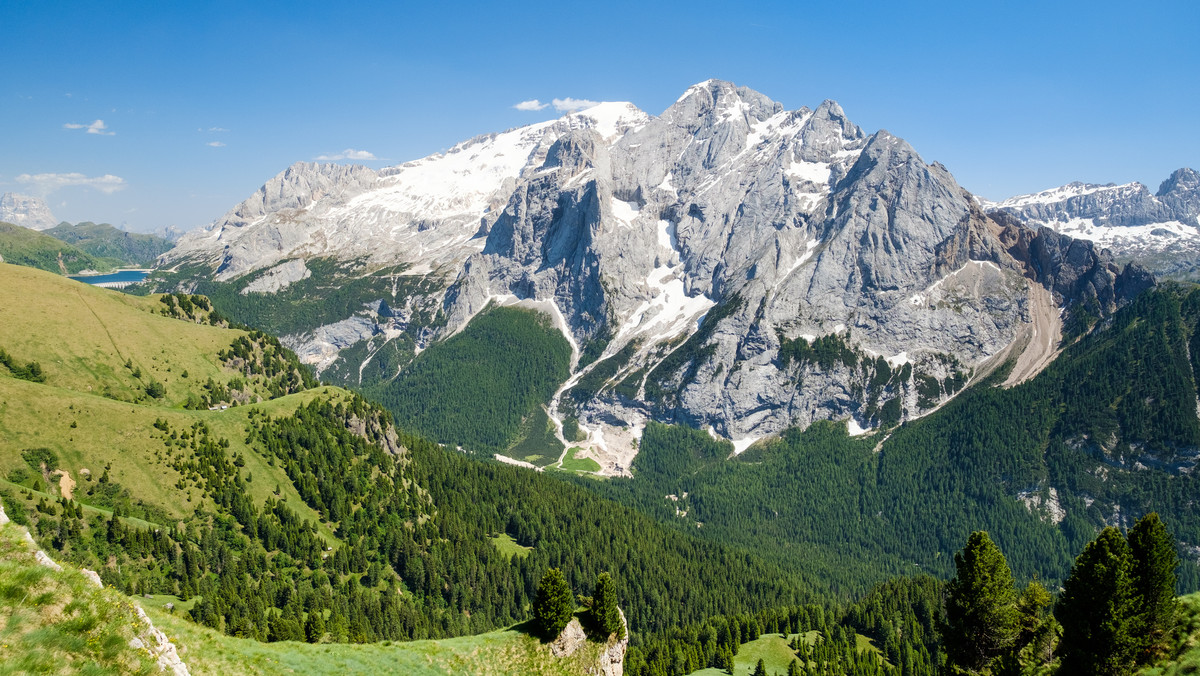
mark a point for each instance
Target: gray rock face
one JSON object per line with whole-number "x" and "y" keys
{"x": 745, "y": 268}
{"x": 1160, "y": 229}
{"x": 26, "y": 211}
{"x": 793, "y": 225}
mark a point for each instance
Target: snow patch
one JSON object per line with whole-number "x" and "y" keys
{"x": 855, "y": 429}
{"x": 611, "y": 118}
{"x": 898, "y": 360}
{"x": 1125, "y": 236}
{"x": 740, "y": 445}
{"x": 813, "y": 172}
{"x": 625, "y": 212}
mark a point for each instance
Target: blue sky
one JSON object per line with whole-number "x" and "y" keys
{"x": 169, "y": 113}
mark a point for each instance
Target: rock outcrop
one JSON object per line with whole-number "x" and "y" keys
{"x": 611, "y": 661}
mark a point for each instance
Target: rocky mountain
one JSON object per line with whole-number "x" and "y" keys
{"x": 30, "y": 212}
{"x": 1160, "y": 229}
{"x": 729, "y": 264}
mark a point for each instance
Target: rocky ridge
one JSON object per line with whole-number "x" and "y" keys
{"x": 735, "y": 265}
{"x": 26, "y": 211}
{"x": 1161, "y": 229}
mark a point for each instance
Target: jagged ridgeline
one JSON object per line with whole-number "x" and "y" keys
{"x": 728, "y": 264}
{"x": 198, "y": 464}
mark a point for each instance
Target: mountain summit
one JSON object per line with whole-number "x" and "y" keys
{"x": 729, "y": 263}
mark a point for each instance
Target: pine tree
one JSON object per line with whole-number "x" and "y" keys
{"x": 1096, "y": 609}
{"x": 314, "y": 626}
{"x": 604, "y": 616}
{"x": 981, "y": 614}
{"x": 1154, "y": 563}
{"x": 760, "y": 669}
{"x": 554, "y": 604}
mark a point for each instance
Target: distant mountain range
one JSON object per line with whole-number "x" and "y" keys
{"x": 1160, "y": 230}
{"x": 729, "y": 264}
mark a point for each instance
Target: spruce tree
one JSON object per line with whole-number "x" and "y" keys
{"x": 760, "y": 669}
{"x": 982, "y": 620}
{"x": 604, "y": 616}
{"x": 1096, "y": 609}
{"x": 1154, "y": 563}
{"x": 554, "y": 604}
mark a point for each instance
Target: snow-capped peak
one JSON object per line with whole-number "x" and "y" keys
{"x": 1061, "y": 193}
{"x": 610, "y": 119}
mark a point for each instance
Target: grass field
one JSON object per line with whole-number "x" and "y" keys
{"x": 1187, "y": 639}
{"x": 572, "y": 464}
{"x": 508, "y": 546}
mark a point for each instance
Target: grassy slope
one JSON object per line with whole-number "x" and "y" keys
{"x": 22, "y": 246}
{"x": 82, "y": 339}
{"x": 508, "y": 651}
{"x": 57, "y": 622}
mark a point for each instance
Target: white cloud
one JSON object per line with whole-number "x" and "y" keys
{"x": 348, "y": 154}
{"x": 217, "y": 129}
{"x": 97, "y": 127}
{"x": 531, "y": 104}
{"x": 215, "y": 144}
{"x": 44, "y": 184}
{"x": 569, "y": 104}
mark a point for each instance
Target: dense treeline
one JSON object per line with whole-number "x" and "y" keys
{"x": 900, "y": 617}
{"x": 412, "y": 556}
{"x": 475, "y": 388}
{"x": 1108, "y": 428}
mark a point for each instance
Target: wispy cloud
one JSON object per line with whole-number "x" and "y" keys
{"x": 348, "y": 154}
{"x": 531, "y": 104}
{"x": 214, "y": 129}
{"x": 215, "y": 144}
{"x": 44, "y": 184}
{"x": 569, "y": 104}
{"x": 97, "y": 127}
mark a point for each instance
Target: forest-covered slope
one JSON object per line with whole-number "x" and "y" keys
{"x": 1107, "y": 433}
{"x": 182, "y": 458}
